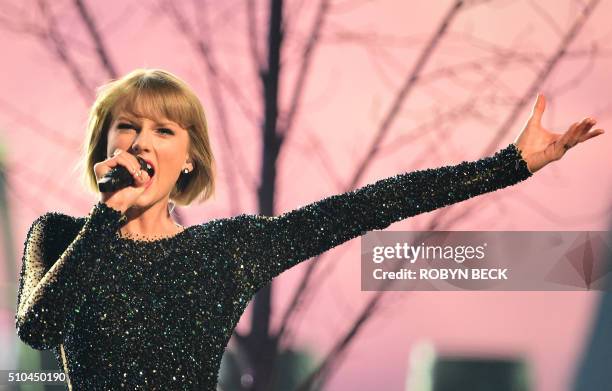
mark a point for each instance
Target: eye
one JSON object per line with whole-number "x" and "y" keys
{"x": 169, "y": 131}
{"x": 124, "y": 125}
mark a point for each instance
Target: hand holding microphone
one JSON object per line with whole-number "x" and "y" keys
{"x": 121, "y": 179}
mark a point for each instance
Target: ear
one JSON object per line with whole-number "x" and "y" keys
{"x": 189, "y": 163}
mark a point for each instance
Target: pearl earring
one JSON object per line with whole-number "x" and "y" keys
{"x": 186, "y": 171}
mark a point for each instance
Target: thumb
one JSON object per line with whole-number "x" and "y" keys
{"x": 538, "y": 109}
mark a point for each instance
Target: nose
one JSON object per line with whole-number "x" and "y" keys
{"x": 142, "y": 141}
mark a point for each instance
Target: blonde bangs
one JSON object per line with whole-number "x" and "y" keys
{"x": 157, "y": 101}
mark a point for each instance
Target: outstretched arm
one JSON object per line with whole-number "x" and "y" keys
{"x": 45, "y": 298}
{"x": 262, "y": 247}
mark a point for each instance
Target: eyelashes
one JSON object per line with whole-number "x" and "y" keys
{"x": 125, "y": 126}
{"x": 130, "y": 126}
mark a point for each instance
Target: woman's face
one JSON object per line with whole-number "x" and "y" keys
{"x": 165, "y": 145}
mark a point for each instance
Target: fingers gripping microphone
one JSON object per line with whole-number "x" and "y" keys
{"x": 119, "y": 177}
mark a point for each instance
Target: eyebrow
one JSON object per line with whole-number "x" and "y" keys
{"x": 126, "y": 118}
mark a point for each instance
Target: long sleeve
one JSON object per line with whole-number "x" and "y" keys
{"x": 45, "y": 297}
{"x": 262, "y": 247}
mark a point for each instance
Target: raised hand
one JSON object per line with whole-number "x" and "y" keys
{"x": 124, "y": 198}
{"x": 540, "y": 146}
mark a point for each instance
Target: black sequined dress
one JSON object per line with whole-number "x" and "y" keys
{"x": 133, "y": 314}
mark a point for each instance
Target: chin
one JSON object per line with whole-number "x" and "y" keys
{"x": 143, "y": 202}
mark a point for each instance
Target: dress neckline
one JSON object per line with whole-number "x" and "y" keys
{"x": 153, "y": 240}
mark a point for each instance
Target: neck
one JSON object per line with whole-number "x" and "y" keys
{"x": 149, "y": 221}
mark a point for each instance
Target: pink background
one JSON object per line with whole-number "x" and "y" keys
{"x": 348, "y": 92}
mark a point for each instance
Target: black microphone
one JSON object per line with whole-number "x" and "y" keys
{"x": 119, "y": 177}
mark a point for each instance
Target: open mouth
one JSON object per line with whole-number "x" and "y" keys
{"x": 147, "y": 166}
{"x": 150, "y": 170}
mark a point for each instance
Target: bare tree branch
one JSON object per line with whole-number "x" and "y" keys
{"x": 34, "y": 125}
{"x": 233, "y": 156}
{"x": 580, "y": 76}
{"x": 306, "y": 60}
{"x": 92, "y": 28}
{"x": 203, "y": 49}
{"x": 59, "y": 48}
{"x": 547, "y": 17}
{"x": 253, "y": 37}
{"x": 14, "y": 20}
{"x": 381, "y": 133}
{"x": 336, "y": 353}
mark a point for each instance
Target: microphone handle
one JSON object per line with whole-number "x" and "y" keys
{"x": 119, "y": 177}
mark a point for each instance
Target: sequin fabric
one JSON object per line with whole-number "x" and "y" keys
{"x": 130, "y": 314}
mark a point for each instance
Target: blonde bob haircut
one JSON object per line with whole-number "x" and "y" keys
{"x": 152, "y": 93}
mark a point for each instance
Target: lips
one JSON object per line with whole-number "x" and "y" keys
{"x": 150, "y": 168}
{"x": 146, "y": 185}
